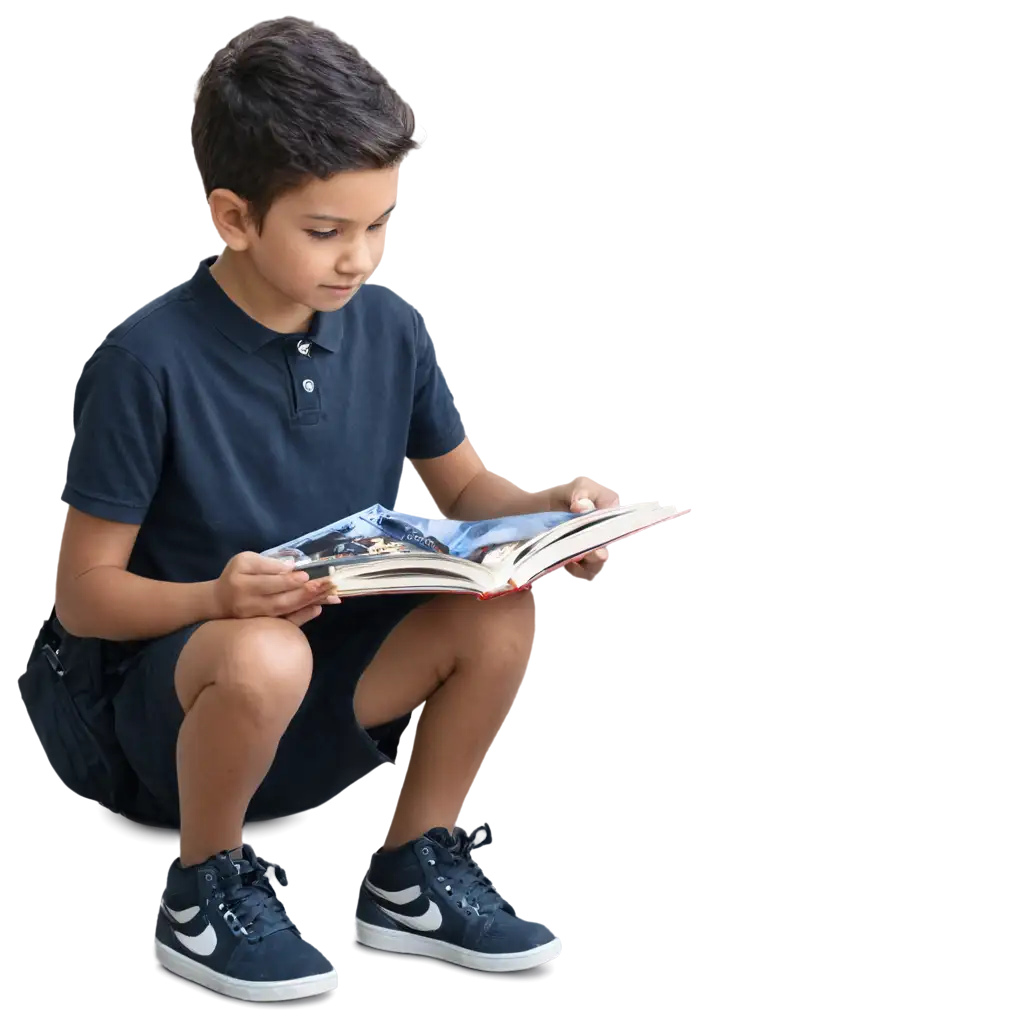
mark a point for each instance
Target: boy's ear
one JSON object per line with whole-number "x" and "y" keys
{"x": 229, "y": 213}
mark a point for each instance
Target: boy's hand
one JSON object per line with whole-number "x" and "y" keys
{"x": 583, "y": 495}
{"x": 253, "y": 585}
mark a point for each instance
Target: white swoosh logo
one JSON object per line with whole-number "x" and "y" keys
{"x": 429, "y": 921}
{"x": 399, "y": 898}
{"x": 181, "y": 916}
{"x": 202, "y": 944}
{"x": 205, "y": 942}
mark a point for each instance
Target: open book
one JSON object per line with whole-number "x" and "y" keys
{"x": 378, "y": 551}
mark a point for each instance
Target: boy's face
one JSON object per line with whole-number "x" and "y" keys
{"x": 320, "y": 242}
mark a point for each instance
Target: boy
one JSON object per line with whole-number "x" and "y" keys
{"x": 185, "y": 680}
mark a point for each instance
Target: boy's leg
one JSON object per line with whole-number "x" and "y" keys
{"x": 465, "y": 659}
{"x": 239, "y": 685}
{"x": 236, "y": 688}
{"x": 239, "y": 682}
{"x": 424, "y": 893}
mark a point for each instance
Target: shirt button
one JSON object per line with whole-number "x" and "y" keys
{"x": 308, "y": 385}
{"x": 304, "y": 348}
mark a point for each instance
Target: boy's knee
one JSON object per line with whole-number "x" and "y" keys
{"x": 506, "y": 629}
{"x": 266, "y": 666}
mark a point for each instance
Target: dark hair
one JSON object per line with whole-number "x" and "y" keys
{"x": 287, "y": 100}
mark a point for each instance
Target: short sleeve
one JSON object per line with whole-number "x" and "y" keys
{"x": 120, "y": 435}
{"x": 435, "y": 427}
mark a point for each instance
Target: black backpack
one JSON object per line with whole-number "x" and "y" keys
{"x": 69, "y": 692}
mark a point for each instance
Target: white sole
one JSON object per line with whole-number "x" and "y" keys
{"x": 394, "y": 941}
{"x": 255, "y": 991}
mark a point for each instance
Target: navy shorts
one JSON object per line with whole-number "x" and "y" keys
{"x": 116, "y": 742}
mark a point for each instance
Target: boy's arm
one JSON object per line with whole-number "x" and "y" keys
{"x": 458, "y": 481}
{"x": 98, "y": 597}
{"x": 114, "y": 467}
{"x": 464, "y": 489}
{"x": 114, "y": 470}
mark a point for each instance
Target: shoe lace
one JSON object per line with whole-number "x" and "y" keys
{"x": 478, "y": 891}
{"x": 247, "y": 899}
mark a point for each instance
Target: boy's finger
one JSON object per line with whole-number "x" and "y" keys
{"x": 304, "y": 615}
{"x": 286, "y": 584}
{"x": 262, "y": 565}
{"x": 274, "y": 566}
{"x": 287, "y": 604}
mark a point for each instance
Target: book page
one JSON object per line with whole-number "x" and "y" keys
{"x": 475, "y": 540}
{"x": 576, "y": 542}
{"x": 378, "y": 530}
{"x": 492, "y": 555}
{"x": 336, "y": 546}
{"x": 361, "y": 534}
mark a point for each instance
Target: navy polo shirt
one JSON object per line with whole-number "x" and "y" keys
{"x": 219, "y": 435}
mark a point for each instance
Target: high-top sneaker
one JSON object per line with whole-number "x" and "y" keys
{"x": 430, "y": 897}
{"x": 222, "y": 926}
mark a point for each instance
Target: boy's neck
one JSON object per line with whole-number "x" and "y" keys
{"x": 251, "y": 292}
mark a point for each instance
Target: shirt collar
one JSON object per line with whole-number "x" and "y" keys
{"x": 325, "y": 329}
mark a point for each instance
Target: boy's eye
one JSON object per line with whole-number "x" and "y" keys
{"x": 330, "y": 234}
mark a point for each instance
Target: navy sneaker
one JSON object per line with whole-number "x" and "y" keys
{"x": 430, "y": 897}
{"x": 221, "y": 925}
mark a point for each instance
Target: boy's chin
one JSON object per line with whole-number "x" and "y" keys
{"x": 327, "y": 300}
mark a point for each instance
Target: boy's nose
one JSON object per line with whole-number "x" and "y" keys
{"x": 355, "y": 262}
